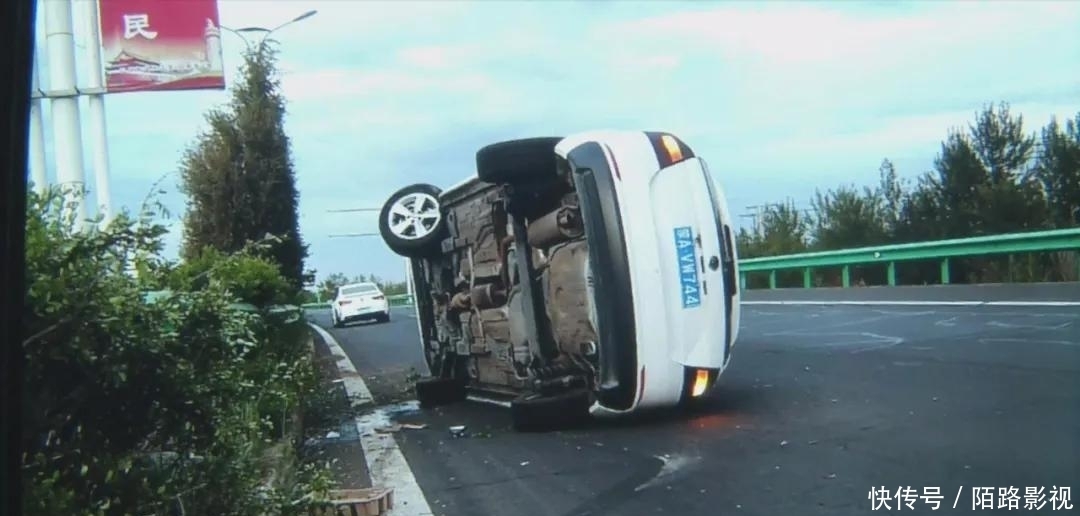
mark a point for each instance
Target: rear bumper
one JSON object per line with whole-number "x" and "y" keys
{"x": 365, "y": 313}
{"x": 618, "y": 387}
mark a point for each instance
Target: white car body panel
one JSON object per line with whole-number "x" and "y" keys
{"x": 669, "y": 337}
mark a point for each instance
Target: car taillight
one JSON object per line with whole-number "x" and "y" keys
{"x": 701, "y": 382}
{"x": 669, "y": 149}
{"x": 378, "y": 298}
{"x": 672, "y": 148}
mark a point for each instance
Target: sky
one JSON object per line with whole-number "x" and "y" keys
{"x": 781, "y": 98}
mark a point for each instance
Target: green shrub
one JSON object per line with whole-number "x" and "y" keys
{"x": 251, "y": 279}
{"x": 134, "y": 407}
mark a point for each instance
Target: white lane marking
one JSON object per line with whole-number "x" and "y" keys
{"x": 1000, "y": 324}
{"x": 1030, "y": 341}
{"x": 914, "y": 303}
{"x": 385, "y": 461}
{"x": 355, "y": 387}
{"x": 947, "y": 322}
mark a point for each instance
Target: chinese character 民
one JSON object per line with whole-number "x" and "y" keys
{"x": 908, "y": 496}
{"x": 138, "y": 25}
{"x": 932, "y": 496}
{"x": 880, "y": 498}
{"x": 982, "y": 498}
{"x": 1061, "y": 497}
{"x": 1008, "y": 498}
{"x": 1034, "y": 498}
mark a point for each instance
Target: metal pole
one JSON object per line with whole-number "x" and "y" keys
{"x": 409, "y": 279}
{"x": 99, "y": 136}
{"x": 37, "y": 137}
{"x": 65, "y": 109}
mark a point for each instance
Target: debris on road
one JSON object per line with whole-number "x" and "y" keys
{"x": 457, "y": 431}
{"x": 783, "y": 443}
{"x": 397, "y": 427}
{"x": 526, "y": 463}
{"x": 830, "y": 476}
{"x": 333, "y": 435}
{"x": 812, "y": 442}
{"x": 373, "y": 501}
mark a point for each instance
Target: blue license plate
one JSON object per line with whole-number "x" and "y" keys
{"x": 688, "y": 273}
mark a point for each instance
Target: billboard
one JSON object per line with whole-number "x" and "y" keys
{"x": 160, "y": 45}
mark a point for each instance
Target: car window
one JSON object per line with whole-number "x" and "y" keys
{"x": 359, "y": 289}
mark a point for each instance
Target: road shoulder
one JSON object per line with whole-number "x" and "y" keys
{"x": 381, "y": 458}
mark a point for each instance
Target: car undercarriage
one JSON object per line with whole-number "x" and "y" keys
{"x": 502, "y": 286}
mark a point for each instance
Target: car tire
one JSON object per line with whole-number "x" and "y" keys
{"x": 385, "y": 318}
{"x": 435, "y": 392}
{"x": 515, "y": 162}
{"x": 337, "y": 322}
{"x": 412, "y": 241}
{"x": 534, "y": 413}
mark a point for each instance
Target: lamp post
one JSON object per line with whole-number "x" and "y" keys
{"x": 266, "y": 32}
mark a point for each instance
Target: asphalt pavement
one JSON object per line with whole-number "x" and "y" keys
{"x": 819, "y": 405}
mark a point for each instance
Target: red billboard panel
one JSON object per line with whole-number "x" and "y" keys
{"x": 156, "y": 45}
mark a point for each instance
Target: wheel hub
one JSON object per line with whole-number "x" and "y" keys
{"x": 414, "y": 216}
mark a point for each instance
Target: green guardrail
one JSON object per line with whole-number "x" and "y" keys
{"x": 288, "y": 313}
{"x": 397, "y": 300}
{"x": 939, "y": 250}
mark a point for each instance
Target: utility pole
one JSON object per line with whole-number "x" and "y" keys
{"x": 37, "y": 135}
{"x": 67, "y": 138}
{"x": 99, "y": 136}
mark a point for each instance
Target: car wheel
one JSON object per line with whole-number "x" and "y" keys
{"x": 535, "y": 413}
{"x": 335, "y": 320}
{"x": 385, "y": 318}
{"x": 528, "y": 161}
{"x": 434, "y": 392}
{"x": 411, "y": 221}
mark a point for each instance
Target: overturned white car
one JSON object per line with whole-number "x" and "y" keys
{"x": 590, "y": 274}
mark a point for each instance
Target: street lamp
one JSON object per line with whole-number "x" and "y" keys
{"x": 266, "y": 32}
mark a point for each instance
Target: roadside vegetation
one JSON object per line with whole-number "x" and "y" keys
{"x": 155, "y": 387}
{"x": 179, "y": 403}
{"x": 993, "y": 177}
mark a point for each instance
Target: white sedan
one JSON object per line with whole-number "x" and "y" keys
{"x": 359, "y": 302}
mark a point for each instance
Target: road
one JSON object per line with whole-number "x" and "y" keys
{"x": 819, "y": 404}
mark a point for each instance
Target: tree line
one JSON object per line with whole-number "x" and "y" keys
{"x": 992, "y": 177}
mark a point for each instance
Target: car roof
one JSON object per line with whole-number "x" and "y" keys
{"x": 364, "y": 284}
